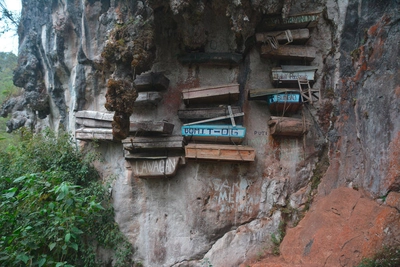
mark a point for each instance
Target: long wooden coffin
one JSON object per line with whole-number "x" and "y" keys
{"x": 220, "y": 152}
{"x": 308, "y": 20}
{"x": 95, "y": 115}
{"x": 193, "y": 114}
{"x": 214, "y": 133}
{"x": 100, "y": 134}
{"x": 95, "y": 119}
{"x": 289, "y": 52}
{"x": 211, "y": 94}
{"x": 156, "y": 168}
{"x": 297, "y": 36}
{"x": 148, "y": 98}
{"x": 151, "y": 81}
{"x": 153, "y": 143}
{"x": 291, "y": 73}
{"x": 211, "y": 58}
{"x": 288, "y": 126}
{"x": 288, "y": 101}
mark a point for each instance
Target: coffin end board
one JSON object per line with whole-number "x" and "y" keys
{"x": 287, "y": 126}
{"x": 211, "y": 94}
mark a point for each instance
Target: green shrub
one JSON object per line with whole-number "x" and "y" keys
{"x": 387, "y": 257}
{"x": 53, "y": 210}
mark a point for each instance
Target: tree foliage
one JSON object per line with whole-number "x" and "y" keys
{"x": 53, "y": 210}
{"x": 9, "y": 20}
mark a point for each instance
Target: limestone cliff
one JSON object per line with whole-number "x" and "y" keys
{"x": 85, "y": 55}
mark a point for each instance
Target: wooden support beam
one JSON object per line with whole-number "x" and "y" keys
{"x": 289, "y": 52}
{"x": 288, "y": 126}
{"x": 151, "y": 81}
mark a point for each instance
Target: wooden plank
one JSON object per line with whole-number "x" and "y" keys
{"x": 170, "y": 142}
{"x": 148, "y": 98}
{"x": 152, "y": 154}
{"x": 291, "y": 74}
{"x": 155, "y": 168}
{"x": 206, "y": 113}
{"x": 94, "y": 134}
{"x": 289, "y": 52}
{"x": 288, "y": 126}
{"x": 220, "y": 152}
{"x": 214, "y": 133}
{"x": 298, "y": 35}
{"x": 151, "y": 81}
{"x": 211, "y": 58}
{"x": 308, "y": 20}
{"x": 220, "y": 93}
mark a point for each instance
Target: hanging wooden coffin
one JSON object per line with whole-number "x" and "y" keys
{"x": 193, "y": 114}
{"x": 285, "y": 102}
{"x": 101, "y": 134}
{"x": 148, "y": 98}
{"x": 220, "y": 152}
{"x": 289, "y": 52}
{"x": 287, "y": 126}
{"x": 217, "y": 58}
{"x": 151, "y": 81}
{"x": 214, "y": 133}
{"x": 291, "y": 73}
{"x": 211, "y": 94}
{"x": 297, "y": 36}
{"x": 308, "y": 20}
{"x": 156, "y": 168}
{"x": 153, "y": 143}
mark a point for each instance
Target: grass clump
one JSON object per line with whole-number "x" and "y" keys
{"x": 387, "y": 257}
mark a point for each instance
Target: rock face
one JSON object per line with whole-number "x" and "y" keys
{"x": 226, "y": 213}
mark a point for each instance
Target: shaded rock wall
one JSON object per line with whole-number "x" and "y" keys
{"x": 224, "y": 213}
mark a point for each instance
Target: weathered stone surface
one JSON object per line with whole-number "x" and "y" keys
{"x": 339, "y": 230}
{"x": 70, "y": 49}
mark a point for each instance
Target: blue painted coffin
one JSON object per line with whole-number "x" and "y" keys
{"x": 217, "y": 133}
{"x": 285, "y": 102}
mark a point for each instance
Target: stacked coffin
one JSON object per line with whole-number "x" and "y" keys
{"x": 285, "y": 39}
{"x": 149, "y": 86}
{"x": 208, "y": 138}
{"x": 95, "y": 125}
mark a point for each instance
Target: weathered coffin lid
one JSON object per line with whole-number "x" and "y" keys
{"x": 267, "y": 92}
{"x": 94, "y": 130}
{"x": 297, "y": 68}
